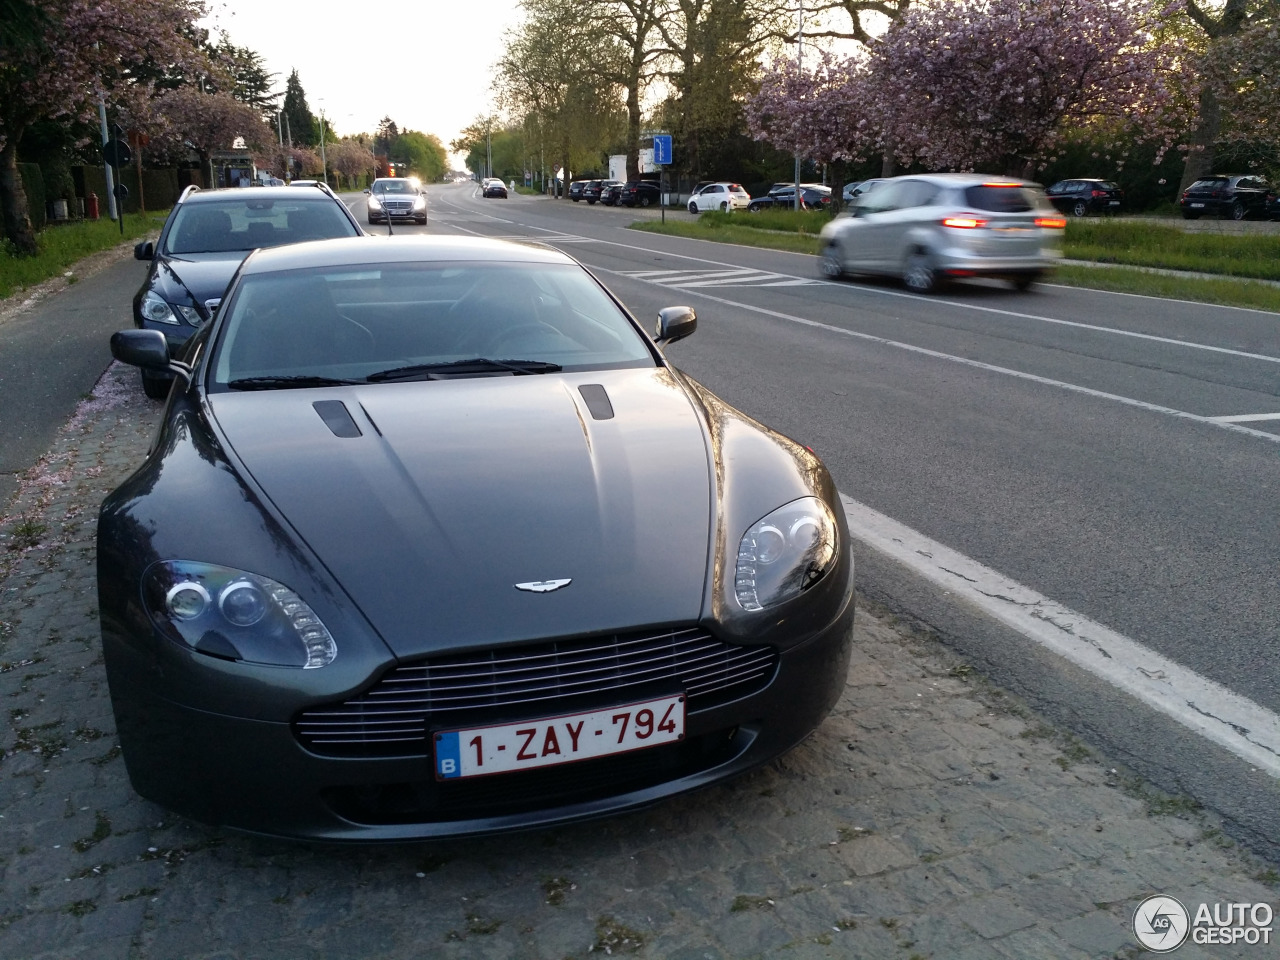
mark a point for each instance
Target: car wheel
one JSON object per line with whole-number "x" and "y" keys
{"x": 724, "y": 207}
{"x": 919, "y": 274}
{"x": 157, "y": 388}
{"x": 644, "y": 201}
{"x": 1024, "y": 281}
{"x": 830, "y": 263}
{"x": 422, "y": 222}
{"x": 693, "y": 208}
{"x": 1237, "y": 210}
{"x": 1080, "y": 208}
{"x": 591, "y": 203}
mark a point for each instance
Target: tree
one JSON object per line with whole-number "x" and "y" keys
{"x": 385, "y": 137}
{"x": 186, "y": 119}
{"x": 301, "y": 125}
{"x": 967, "y": 84}
{"x": 251, "y": 83}
{"x": 351, "y": 159}
{"x": 422, "y": 153}
{"x": 1238, "y": 82}
{"x": 71, "y": 65}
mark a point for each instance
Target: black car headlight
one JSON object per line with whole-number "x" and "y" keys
{"x": 234, "y": 615}
{"x": 785, "y": 553}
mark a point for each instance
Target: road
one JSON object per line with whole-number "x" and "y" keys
{"x": 1114, "y": 453}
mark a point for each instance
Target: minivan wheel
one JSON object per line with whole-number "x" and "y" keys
{"x": 1080, "y": 209}
{"x": 919, "y": 274}
{"x": 829, "y": 262}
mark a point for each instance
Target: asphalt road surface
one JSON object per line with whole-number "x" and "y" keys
{"x": 1114, "y": 453}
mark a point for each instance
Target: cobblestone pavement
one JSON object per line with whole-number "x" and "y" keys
{"x": 929, "y": 817}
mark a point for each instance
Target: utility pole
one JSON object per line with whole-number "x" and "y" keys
{"x": 800, "y": 66}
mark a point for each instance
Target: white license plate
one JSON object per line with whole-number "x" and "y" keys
{"x": 478, "y": 751}
{"x": 1197, "y": 205}
{"x": 1113, "y": 203}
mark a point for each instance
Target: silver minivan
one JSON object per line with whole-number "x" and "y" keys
{"x": 929, "y": 228}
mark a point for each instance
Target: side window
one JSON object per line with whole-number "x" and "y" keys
{"x": 886, "y": 197}
{"x": 1059, "y": 187}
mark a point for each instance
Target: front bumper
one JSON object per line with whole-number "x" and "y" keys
{"x": 255, "y": 776}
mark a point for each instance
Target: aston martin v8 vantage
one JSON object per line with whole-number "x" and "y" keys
{"x": 435, "y": 541}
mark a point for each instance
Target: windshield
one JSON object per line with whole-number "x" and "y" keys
{"x": 251, "y": 221}
{"x": 393, "y": 186}
{"x": 351, "y": 323}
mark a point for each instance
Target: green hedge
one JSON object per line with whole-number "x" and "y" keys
{"x": 33, "y": 184}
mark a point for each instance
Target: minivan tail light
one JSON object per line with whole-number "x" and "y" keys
{"x": 1054, "y": 222}
{"x": 964, "y": 223}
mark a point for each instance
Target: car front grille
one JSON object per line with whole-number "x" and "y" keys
{"x": 396, "y": 714}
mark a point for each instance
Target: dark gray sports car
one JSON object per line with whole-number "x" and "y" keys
{"x": 435, "y": 541}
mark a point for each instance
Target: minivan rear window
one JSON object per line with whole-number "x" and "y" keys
{"x": 1000, "y": 199}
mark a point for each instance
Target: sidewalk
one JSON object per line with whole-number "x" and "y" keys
{"x": 930, "y": 816}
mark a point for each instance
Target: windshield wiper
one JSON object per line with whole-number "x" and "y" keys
{"x": 277, "y": 383}
{"x": 432, "y": 371}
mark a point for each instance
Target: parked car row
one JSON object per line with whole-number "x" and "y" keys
{"x": 633, "y": 193}
{"x": 813, "y": 196}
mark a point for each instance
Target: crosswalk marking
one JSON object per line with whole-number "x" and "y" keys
{"x": 718, "y": 278}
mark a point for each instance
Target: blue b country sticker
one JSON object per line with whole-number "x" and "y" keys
{"x": 447, "y": 760}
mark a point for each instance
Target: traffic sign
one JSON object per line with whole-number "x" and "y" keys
{"x": 662, "y": 150}
{"x": 116, "y": 153}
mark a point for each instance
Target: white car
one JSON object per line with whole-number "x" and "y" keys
{"x": 719, "y": 196}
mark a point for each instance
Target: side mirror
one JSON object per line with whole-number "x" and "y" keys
{"x": 370, "y": 192}
{"x": 674, "y": 323}
{"x": 145, "y": 251}
{"x": 146, "y": 349}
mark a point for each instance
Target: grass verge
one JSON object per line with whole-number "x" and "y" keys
{"x": 61, "y": 246}
{"x": 772, "y": 231}
{"x": 1256, "y": 256}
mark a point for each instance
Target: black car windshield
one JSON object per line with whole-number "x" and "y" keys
{"x": 393, "y": 186}
{"x": 251, "y": 221}
{"x": 357, "y": 322}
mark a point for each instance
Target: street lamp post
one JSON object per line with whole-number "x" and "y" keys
{"x": 324, "y": 163}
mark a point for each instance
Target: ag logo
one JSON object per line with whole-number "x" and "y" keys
{"x": 1161, "y": 924}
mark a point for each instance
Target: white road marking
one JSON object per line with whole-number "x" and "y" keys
{"x": 992, "y": 368}
{"x": 1247, "y": 418}
{"x": 742, "y": 276}
{"x": 1247, "y": 729}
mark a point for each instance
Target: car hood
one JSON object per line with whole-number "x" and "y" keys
{"x": 456, "y": 491}
{"x": 205, "y": 275}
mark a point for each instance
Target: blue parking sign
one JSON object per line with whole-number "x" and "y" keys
{"x": 662, "y": 150}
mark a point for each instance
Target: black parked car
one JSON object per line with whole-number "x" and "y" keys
{"x": 1233, "y": 197}
{"x": 639, "y": 193}
{"x": 813, "y": 196}
{"x": 1083, "y": 197}
{"x": 370, "y": 586}
{"x": 207, "y": 235}
{"x": 576, "y": 188}
{"x": 609, "y": 194}
{"x": 594, "y": 190}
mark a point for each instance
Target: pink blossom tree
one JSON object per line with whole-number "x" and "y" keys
{"x": 995, "y": 84}
{"x": 73, "y": 62}
{"x": 185, "y": 119}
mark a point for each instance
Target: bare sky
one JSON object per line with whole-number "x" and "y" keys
{"x": 427, "y": 64}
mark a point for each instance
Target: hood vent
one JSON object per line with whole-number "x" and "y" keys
{"x": 597, "y": 401}
{"x": 336, "y": 417}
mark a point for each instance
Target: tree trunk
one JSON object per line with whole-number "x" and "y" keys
{"x": 888, "y": 163}
{"x": 633, "y": 127}
{"x": 13, "y": 201}
{"x": 1200, "y": 158}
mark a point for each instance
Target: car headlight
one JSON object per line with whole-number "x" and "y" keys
{"x": 419, "y": 203}
{"x": 235, "y": 615}
{"x": 785, "y": 553}
{"x": 375, "y": 204}
{"x": 154, "y": 308}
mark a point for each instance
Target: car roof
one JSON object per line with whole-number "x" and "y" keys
{"x": 347, "y": 251}
{"x": 966, "y": 179}
{"x": 254, "y": 193}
